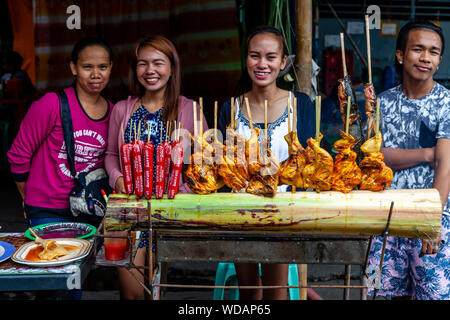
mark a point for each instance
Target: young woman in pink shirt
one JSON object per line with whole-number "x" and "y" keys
{"x": 38, "y": 156}
{"x": 155, "y": 81}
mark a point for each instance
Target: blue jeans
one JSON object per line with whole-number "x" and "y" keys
{"x": 32, "y": 222}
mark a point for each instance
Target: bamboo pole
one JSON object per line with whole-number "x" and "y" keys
{"x": 303, "y": 13}
{"x": 417, "y": 212}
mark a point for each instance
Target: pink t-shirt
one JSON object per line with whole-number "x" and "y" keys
{"x": 39, "y": 150}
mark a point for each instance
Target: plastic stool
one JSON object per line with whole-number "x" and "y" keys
{"x": 226, "y": 270}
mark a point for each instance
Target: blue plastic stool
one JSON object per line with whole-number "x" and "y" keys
{"x": 226, "y": 270}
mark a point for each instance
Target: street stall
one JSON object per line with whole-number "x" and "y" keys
{"x": 345, "y": 203}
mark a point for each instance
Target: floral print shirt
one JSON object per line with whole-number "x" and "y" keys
{"x": 414, "y": 124}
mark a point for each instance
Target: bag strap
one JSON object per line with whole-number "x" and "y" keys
{"x": 66, "y": 121}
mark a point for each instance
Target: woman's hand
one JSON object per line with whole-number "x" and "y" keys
{"x": 120, "y": 186}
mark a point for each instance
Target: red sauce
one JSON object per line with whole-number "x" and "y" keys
{"x": 115, "y": 251}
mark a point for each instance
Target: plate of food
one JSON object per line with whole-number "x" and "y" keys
{"x": 52, "y": 252}
{"x": 62, "y": 230}
{"x": 6, "y": 250}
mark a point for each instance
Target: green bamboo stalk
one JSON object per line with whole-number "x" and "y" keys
{"x": 417, "y": 213}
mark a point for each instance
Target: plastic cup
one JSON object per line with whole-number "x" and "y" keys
{"x": 115, "y": 248}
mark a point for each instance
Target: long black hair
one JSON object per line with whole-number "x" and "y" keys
{"x": 403, "y": 36}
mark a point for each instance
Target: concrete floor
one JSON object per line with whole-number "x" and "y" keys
{"x": 101, "y": 282}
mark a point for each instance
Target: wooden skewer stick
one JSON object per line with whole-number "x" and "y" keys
{"x": 349, "y": 101}
{"x": 168, "y": 130}
{"x": 294, "y": 128}
{"x": 123, "y": 132}
{"x": 318, "y": 117}
{"x": 194, "y": 106}
{"x": 249, "y": 113}
{"x": 201, "y": 117}
{"x": 216, "y": 106}
{"x": 232, "y": 124}
{"x": 35, "y": 235}
{"x": 139, "y": 129}
{"x": 289, "y": 114}
{"x": 377, "y": 128}
{"x": 344, "y": 65}
{"x": 369, "y": 62}
{"x": 294, "y": 115}
{"x": 175, "y": 129}
{"x": 131, "y": 126}
{"x": 265, "y": 120}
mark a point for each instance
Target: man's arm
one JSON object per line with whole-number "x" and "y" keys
{"x": 442, "y": 184}
{"x": 398, "y": 159}
{"x": 442, "y": 169}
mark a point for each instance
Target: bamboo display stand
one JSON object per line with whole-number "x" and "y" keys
{"x": 219, "y": 246}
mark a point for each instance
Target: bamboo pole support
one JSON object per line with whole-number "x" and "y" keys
{"x": 303, "y": 280}
{"x": 348, "y": 273}
{"x": 304, "y": 18}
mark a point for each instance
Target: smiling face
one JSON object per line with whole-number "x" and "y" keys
{"x": 265, "y": 59}
{"x": 92, "y": 69}
{"x": 422, "y": 55}
{"x": 153, "y": 69}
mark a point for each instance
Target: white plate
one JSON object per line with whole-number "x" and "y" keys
{"x": 74, "y": 255}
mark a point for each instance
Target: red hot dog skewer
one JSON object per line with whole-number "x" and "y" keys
{"x": 175, "y": 174}
{"x": 126, "y": 154}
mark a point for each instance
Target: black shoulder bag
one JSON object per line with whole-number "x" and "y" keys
{"x": 86, "y": 197}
